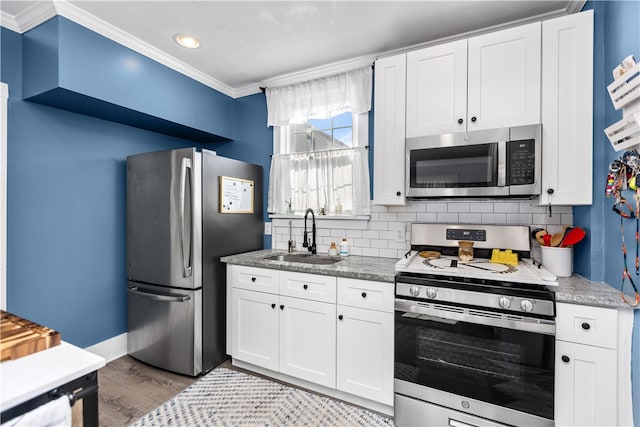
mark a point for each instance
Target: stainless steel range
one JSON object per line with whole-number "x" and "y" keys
{"x": 474, "y": 332}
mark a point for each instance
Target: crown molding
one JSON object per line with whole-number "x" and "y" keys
{"x": 111, "y": 32}
{"x": 575, "y": 6}
{"x": 41, "y": 11}
{"x": 29, "y": 18}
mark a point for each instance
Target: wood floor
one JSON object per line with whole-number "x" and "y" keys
{"x": 128, "y": 389}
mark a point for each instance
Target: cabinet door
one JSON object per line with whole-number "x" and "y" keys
{"x": 255, "y": 328}
{"x": 437, "y": 89}
{"x": 365, "y": 353}
{"x": 567, "y": 107}
{"x": 308, "y": 340}
{"x": 585, "y": 385}
{"x": 504, "y": 78}
{"x": 389, "y": 131}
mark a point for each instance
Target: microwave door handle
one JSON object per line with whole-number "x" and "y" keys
{"x": 502, "y": 163}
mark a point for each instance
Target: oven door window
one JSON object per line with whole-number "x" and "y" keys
{"x": 505, "y": 367}
{"x": 454, "y": 167}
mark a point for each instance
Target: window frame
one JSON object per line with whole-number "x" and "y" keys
{"x": 282, "y": 134}
{"x": 282, "y": 142}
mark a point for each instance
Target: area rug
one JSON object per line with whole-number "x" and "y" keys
{"x": 225, "y": 397}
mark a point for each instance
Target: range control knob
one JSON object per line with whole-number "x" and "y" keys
{"x": 414, "y": 291}
{"x": 431, "y": 293}
{"x": 504, "y": 302}
{"x": 526, "y": 305}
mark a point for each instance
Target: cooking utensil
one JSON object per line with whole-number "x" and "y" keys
{"x": 538, "y": 234}
{"x": 573, "y": 236}
{"x": 556, "y": 239}
{"x": 536, "y": 231}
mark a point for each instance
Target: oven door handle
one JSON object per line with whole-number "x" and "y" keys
{"x": 456, "y": 423}
{"x": 444, "y": 315}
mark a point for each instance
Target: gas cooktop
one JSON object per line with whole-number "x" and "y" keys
{"x": 445, "y": 240}
{"x": 525, "y": 272}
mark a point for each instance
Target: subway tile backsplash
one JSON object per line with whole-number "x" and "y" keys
{"x": 387, "y": 232}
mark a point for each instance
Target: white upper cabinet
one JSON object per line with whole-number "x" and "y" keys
{"x": 504, "y": 78}
{"x": 567, "y": 110}
{"x": 485, "y": 82}
{"x": 389, "y": 131}
{"x": 437, "y": 89}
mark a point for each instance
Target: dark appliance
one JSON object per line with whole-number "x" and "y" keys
{"x": 177, "y": 231}
{"x": 488, "y": 163}
{"x": 474, "y": 341}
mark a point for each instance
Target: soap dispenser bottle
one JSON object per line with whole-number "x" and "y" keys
{"x": 344, "y": 247}
{"x": 333, "y": 250}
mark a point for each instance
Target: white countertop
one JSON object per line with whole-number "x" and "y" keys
{"x": 30, "y": 376}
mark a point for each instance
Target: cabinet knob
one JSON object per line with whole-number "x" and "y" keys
{"x": 586, "y": 326}
{"x": 341, "y": 317}
{"x": 273, "y": 306}
{"x": 364, "y": 295}
{"x": 549, "y": 191}
{"x": 398, "y": 193}
{"x": 565, "y": 359}
{"x": 474, "y": 119}
{"x": 282, "y": 307}
{"x": 253, "y": 279}
{"x": 460, "y": 121}
{"x": 305, "y": 286}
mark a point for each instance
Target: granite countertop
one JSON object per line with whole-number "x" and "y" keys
{"x": 574, "y": 289}
{"x": 353, "y": 266}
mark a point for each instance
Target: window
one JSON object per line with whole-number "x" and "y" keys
{"x": 322, "y": 134}
{"x": 345, "y": 130}
{"x": 321, "y": 164}
{"x": 320, "y": 143}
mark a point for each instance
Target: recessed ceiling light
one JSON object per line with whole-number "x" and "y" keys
{"x": 187, "y": 41}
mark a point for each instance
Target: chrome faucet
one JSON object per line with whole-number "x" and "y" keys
{"x": 305, "y": 240}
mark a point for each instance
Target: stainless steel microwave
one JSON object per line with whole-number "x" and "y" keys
{"x": 489, "y": 163}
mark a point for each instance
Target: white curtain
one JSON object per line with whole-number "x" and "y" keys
{"x": 336, "y": 180}
{"x": 320, "y": 98}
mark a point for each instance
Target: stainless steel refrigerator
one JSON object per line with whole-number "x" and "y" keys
{"x": 177, "y": 230}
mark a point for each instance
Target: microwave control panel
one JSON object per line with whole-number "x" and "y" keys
{"x": 521, "y": 161}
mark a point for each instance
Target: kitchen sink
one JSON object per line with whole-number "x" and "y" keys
{"x": 304, "y": 258}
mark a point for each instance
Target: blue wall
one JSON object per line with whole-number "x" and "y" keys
{"x": 615, "y": 36}
{"x": 71, "y": 67}
{"x": 66, "y": 211}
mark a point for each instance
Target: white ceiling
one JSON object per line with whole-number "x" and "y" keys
{"x": 247, "y": 44}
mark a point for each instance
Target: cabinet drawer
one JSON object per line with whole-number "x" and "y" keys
{"x": 308, "y": 286}
{"x": 254, "y": 279}
{"x": 366, "y": 294}
{"x": 587, "y": 325}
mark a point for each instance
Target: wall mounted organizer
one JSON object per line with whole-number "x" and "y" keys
{"x": 625, "y": 94}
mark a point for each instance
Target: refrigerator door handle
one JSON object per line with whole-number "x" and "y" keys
{"x": 160, "y": 297}
{"x": 186, "y": 260}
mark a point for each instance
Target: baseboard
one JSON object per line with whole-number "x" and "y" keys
{"x": 110, "y": 349}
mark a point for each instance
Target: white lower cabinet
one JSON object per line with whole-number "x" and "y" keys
{"x": 365, "y": 353}
{"x": 585, "y": 385}
{"x": 255, "y": 327}
{"x": 593, "y": 366}
{"x": 333, "y": 332}
{"x": 308, "y": 340}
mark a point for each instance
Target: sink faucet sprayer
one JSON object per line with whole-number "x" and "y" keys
{"x": 305, "y": 241}
{"x": 292, "y": 243}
